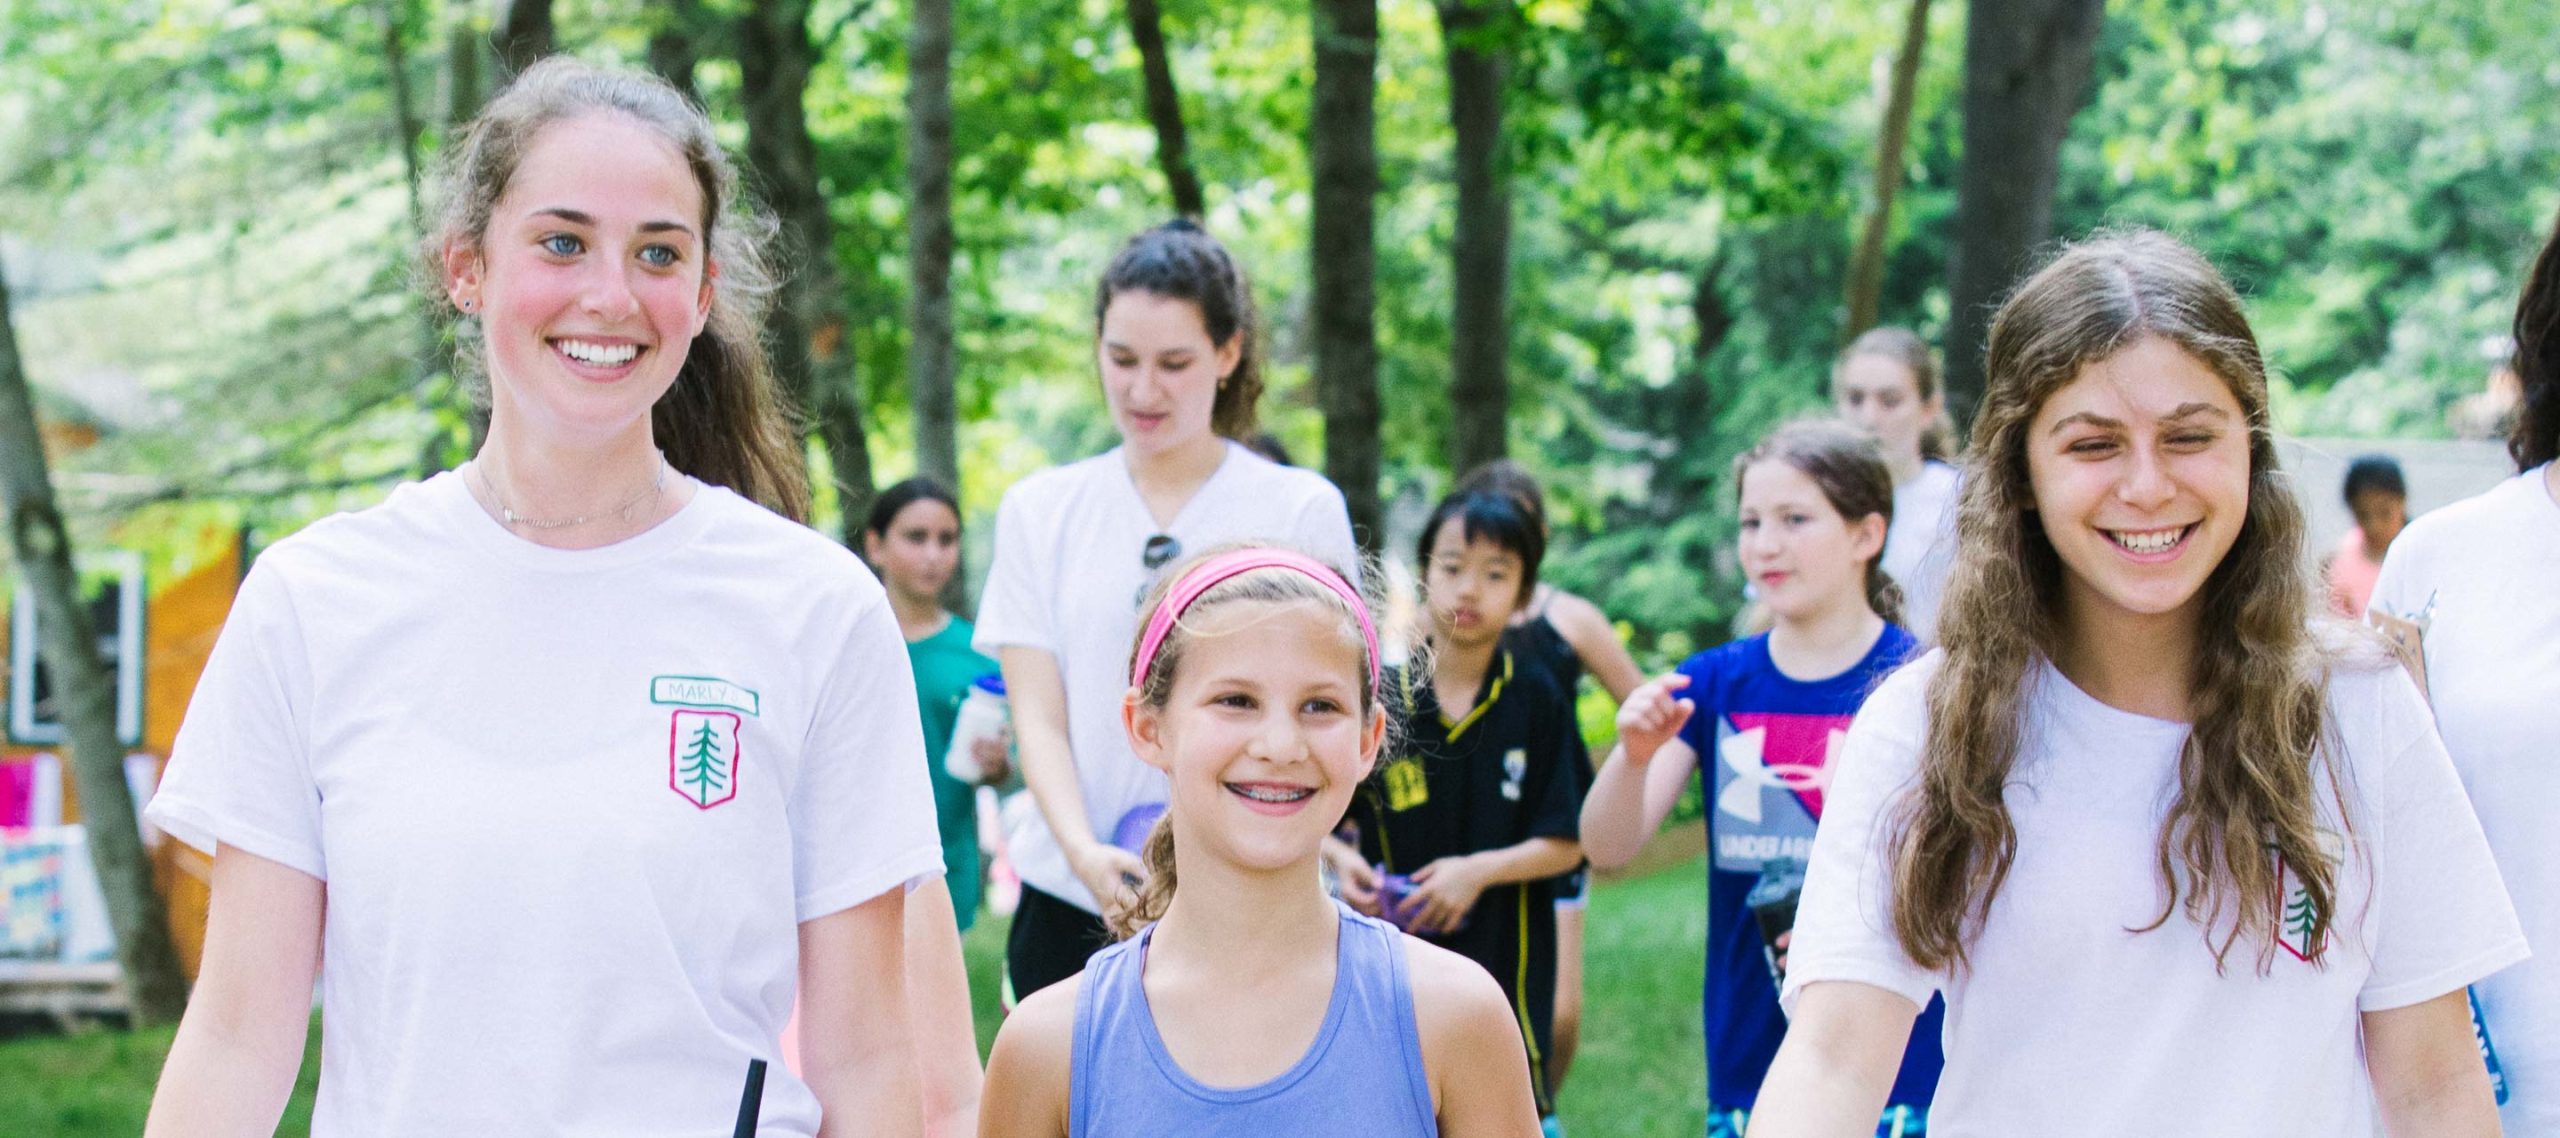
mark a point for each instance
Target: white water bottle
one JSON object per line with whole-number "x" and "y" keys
{"x": 984, "y": 712}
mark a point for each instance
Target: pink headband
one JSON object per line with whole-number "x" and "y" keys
{"x": 1208, "y": 574}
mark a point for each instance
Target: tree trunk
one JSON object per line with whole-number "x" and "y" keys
{"x": 1866, "y": 267}
{"x": 1476, "y": 33}
{"x": 153, "y": 983}
{"x": 1342, "y": 156}
{"x": 930, "y": 357}
{"x": 525, "y": 36}
{"x": 673, "y": 55}
{"x": 464, "y": 89}
{"x": 396, "y": 16}
{"x": 2027, "y": 67}
{"x": 775, "y": 56}
{"x": 1164, "y": 108}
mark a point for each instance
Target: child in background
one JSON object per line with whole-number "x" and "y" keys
{"x": 1249, "y": 1003}
{"x": 1474, "y": 816}
{"x": 1816, "y": 501}
{"x": 1567, "y": 636}
{"x": 2379, "y": 498}
{"x": 1886, "y": 382}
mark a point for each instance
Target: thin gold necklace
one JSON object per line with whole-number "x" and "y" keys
{"x": 515, "y": 520}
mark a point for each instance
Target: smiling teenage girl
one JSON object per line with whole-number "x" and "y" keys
{"x": 578, "y": 762}
{"x": 1759, "y": 721}
{"x": 1254, "y": 1005}
{"x": 1076, "y": 546}
{"x": 2178, "y": 866}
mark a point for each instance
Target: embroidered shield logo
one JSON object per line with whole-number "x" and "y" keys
{"x": 702, "y": 756}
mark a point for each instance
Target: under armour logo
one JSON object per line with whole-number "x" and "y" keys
{"x": 1743, "y": 753}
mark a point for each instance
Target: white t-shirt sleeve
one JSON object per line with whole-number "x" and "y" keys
{"x": 1323, "y": 529}
{"x": 2444, "y": 917}
{"x": 240, "y": 771}
{"x": 1017, "y": 608}
{"x": 862, "y": 816}
{"x": 1844, "y": 921}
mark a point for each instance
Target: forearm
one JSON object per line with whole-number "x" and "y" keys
{"x": 1528, "y": 861}
{"x": 225, "y": 1079}
{"x": 1836, "y": 1067}
{"x": 867, "y": 1091}
{"x": 1040, "y": 740}
{"x": 938, "y": 998}
{"x": 1615, "y": 827}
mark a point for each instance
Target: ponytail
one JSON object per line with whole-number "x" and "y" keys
{"x": 1884, "y": 594}
{"x": 1155, "y": 894}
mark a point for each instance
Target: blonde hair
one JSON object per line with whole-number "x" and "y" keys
{"x": 1265, "y": 586}
{"x": 2248, "y": 771}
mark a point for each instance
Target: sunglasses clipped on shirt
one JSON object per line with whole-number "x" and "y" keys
{"x": 1159, "y": 550}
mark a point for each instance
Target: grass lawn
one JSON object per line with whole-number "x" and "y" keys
{"x": 1639, "y": 1073}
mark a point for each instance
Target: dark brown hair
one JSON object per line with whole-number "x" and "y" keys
{"x": 1180, "y": 261}
{"x": 725, "y": 420}
{"x": 2247, "y": 777}
{"x": 2536, "y": 438}
{"x": 1843, "y": 461}
{"x": 1271, "y": 586}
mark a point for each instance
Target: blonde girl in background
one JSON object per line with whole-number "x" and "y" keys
{"x": 1886, "y": 382}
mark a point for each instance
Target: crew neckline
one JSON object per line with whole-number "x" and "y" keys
{"x": 476, "y": 528}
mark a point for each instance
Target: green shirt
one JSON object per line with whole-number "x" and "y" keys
{"x": 945, "y": 666}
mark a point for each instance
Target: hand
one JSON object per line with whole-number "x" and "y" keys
{"x": 1444, "y": 892}
{"x": 2407, "y": 640}
{"x": 1353, "y": 875}
{"x": 1652, "y": 716}
{"x": 994, "y": 756}
{"x": 1784, "y": 939}
{"x": 1112, "y": 873}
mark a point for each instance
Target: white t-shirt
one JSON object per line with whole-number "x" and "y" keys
{"x": 2068, "y": 1022}
{"x": 2493, "y": 671}
{"x": 1067, "y": 578}
{"x": 570, "y": 806}
{"x": 1920, "y": 546}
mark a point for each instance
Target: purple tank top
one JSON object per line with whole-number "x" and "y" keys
{"x": 1362, "y": 1075}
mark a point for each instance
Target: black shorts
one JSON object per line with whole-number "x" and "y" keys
{"x": 1050, "y": 941}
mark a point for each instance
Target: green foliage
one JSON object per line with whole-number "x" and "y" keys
{"x": 211, "y": 204}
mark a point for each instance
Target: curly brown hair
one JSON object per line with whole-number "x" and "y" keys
{"x": 2248, "y": 773}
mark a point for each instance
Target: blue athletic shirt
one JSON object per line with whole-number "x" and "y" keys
{"x": 1763, "y": 742}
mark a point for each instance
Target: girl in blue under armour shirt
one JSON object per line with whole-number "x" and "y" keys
{"x": 1247, "y": 1002}
{"x": 1759, "y": 719}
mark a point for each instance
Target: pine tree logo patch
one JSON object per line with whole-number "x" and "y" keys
{"x": 702, "y": 756}
{"x": 2298, "y": 929}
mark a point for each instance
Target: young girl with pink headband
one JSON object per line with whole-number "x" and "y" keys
{"x": 1248, "y": 1001}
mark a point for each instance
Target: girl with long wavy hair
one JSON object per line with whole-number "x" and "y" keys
{"x": 2179, "y": 862}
